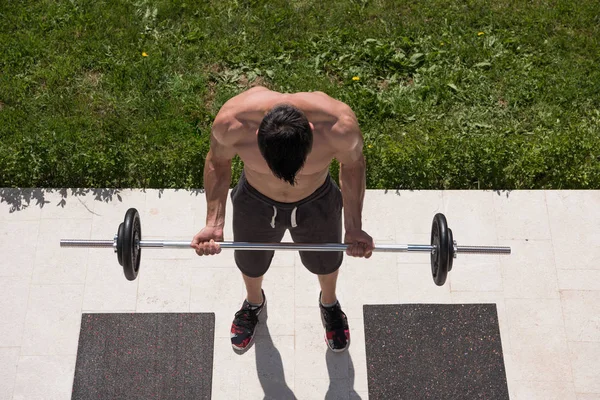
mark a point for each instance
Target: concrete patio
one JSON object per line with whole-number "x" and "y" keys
{"x": 547, "y": 292}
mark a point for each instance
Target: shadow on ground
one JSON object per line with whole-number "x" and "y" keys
{"x": 20, "y": 199}
{"x": 269, "y": 368}
{"x": 398, "y": 192}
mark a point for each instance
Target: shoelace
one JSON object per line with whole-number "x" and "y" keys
{"x": 246, "y": 318}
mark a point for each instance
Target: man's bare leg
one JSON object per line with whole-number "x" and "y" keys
{"x": 328, "y": 285}
{"x": 253, "y": 288}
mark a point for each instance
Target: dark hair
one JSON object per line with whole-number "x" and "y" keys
{"x": 285, "y": 140}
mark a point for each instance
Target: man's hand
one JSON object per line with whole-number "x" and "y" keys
{"x": 205, "y": 241}
{"x": 360, "y": 244}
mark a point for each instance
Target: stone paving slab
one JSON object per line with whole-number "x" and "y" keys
{"x": 546, "y": 293}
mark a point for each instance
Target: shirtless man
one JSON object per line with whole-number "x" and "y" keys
{"x": 286, "y": 142}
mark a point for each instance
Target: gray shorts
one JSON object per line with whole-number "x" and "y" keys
{"x": 314, "y": 219}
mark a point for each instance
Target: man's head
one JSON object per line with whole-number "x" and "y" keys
{"x": 285, "y": 139}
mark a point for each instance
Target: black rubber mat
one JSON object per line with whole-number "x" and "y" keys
{"x": 434, "y": 351}
{"x": 145, "y": 356}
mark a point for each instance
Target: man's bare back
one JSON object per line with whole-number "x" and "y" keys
{"x": 335, "y": 135}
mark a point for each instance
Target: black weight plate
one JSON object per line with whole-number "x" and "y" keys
{"x": 120, "y": 244}
{"x": 132, "y": 233}
{"x": 450, "y": 249}
{"x": 439, "y": 239}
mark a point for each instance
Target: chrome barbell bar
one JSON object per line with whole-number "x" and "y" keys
{"x": 173, "y": 244}
{"x": 128, "y": 245}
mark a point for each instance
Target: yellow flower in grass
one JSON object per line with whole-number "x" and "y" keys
{"x": 144, "y": 54}
{"x": 356, "y": 78}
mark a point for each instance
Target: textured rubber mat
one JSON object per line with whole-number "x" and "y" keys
{"x": 434, "y": 351}
{"x": 145, "y": 356}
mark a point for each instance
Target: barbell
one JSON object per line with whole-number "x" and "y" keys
{"x": 128, "y": 245}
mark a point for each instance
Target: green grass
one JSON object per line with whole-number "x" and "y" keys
{"x": 452, "y": 94}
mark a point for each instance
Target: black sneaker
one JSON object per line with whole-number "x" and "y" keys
{"x": 337, "y": 332}
{"x": 244, "y": 324}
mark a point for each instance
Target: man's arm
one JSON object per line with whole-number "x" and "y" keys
{"x": 217, "y": 170}
{"x": 348, "y": 144}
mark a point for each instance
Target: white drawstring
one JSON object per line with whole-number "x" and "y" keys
{"x": 273, "y": 219}
{"x": 294, "y": 217}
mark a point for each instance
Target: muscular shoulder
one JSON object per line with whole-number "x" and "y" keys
{"x": 238, "y": 113}
{"x": 345, "y": 135}
{"x": 341, "y": 128}
{"x": 251, "y": 105}
{"x": 226, "y": 128}
{"x": 319, "y": 106}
